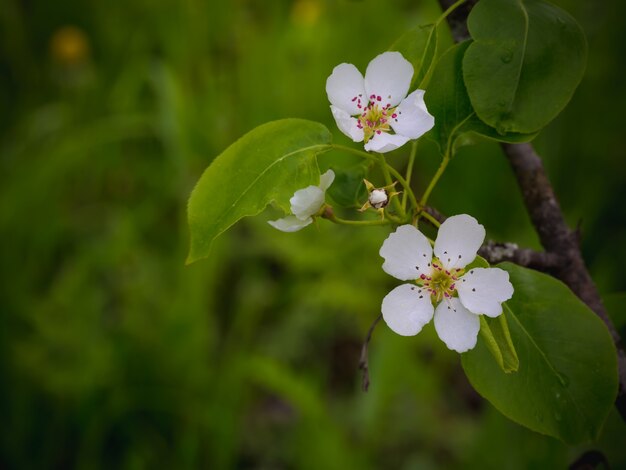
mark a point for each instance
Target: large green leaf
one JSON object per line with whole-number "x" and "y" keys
{"x": 527, "y": 58}
{"x": 418, "y": 46}
{"x": 567, "y": 377}
{"x": 497, "y": 336}
{"x": 267, "y": 164}
{"x": 447, "y": 100}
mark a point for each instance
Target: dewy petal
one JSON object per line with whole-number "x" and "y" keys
{"x": 482, "y": 290}
{"x": 412, "y": 118}
{"x": 458, "y": 241}
{"x": 347, "y": 124}
{"x": 344, "y": 84}
{"x": 306, "y": 202}
{"x": 388, "y": 76}
{"x": 290, "y": 223}
{"x": 407, "y": 254}
{"x": 326, "y": 180}
{"x": 456, "y": 326}
{"x": 384, "y": 142}
{"x": 406, "y": 309}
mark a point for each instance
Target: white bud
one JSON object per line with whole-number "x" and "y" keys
{"x": 378, "y": 198}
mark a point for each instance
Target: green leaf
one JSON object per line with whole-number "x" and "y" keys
{"x": 615, "y": 305}
{"x": 496, "y": 335}
{"x": 527, "y": 58}
{"x": 268, "y": 164}
{"x": 495, "y": 331}
{"x": 567, "y": 377}
{"x": 348, "y": 189}
{"x": 446, "y": 99}
{"x": 418, "y": 46}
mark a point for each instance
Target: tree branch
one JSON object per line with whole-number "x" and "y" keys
{"x": 364, "y": 361}
{"x": 548, "y": 220}
{"x": 495, "y": 252}
{"x": 498, "y": 252}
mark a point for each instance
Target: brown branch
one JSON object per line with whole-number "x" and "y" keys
{"x": 498, "y": 252}
{"x": 556, "y": 237}
{"x": 363, "y": 362}
{"x": 548, "y": 220}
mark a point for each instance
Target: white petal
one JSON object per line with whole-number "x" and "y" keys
{"x": 326, "y": 180}
{"x": 345, "y": 84}
{"x": 347, "y": 124}
{"x": 458, "y": 241}
{"x": 306, "y": 202}
{"x": 289, "y": 223}
{"x": 388, "y": 76}
{"x": 412, "y": 118}
{"x": 407, "y": 254}
{"x": 482, "y": 290}
{"x": 456, "y": 326}
{"x": 406, "y": 309}
{"x": 384, "y": 142}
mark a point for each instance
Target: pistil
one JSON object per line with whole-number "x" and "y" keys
{"x": 375, "y": 116}
{"x": 441, "y": 283}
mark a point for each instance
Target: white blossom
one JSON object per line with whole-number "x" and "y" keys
{"x": 442, "y": 287}
{"x": 376, "y": 109}
{"x": 305, "y": 203}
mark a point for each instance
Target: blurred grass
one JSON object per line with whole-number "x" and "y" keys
{"x": 116, "y": 355}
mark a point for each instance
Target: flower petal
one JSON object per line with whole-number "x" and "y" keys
{"x": 456, "y": 326}
{"x": 407, "y": 254}
{"x": 347, "y": 124}
{"x": 384, "y": 142}
{"x": 406, "y": 309}
{"x": 412, "y": 118}
{"x": 326, "y": 180}
{"x": 388, "y": 76}
{"x": 343, "y": 85}
{"x": 482, "y": 290}
{"x": 306, "y": 202}
{"x": 458, "y": 241}
{"x": 290, "y": 223}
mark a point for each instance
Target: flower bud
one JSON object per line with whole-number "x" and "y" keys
{"x": 378, "y": 198}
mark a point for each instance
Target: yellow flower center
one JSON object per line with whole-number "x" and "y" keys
{"x": 376, "y": 116}
{"x": 441, "y": 283}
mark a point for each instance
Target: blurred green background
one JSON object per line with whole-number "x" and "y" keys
{"x": 116, "y": 355}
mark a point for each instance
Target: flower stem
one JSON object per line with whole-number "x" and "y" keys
{"x": 446, "y": 13}
{"x": 384, "y": 167}
{"x": 396, "y": 174}
{"x": 430, "y": 218}
{"x": 409, "y": 171}
{"x": 354, "y": 151}
{"x": 330, "y": 215}
{"x": 433, "y": 182}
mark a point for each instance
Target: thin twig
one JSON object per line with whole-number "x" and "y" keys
{"x": 363, "y": 362}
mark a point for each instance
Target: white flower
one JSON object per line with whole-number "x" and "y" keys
{"x": 443, "y": 288}
{"x": 368, "y": 109}
{"x": 305, "y": 203}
